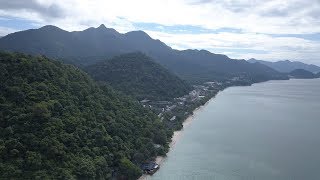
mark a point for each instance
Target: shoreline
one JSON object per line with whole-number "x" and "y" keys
{"x": 177, "y": 135}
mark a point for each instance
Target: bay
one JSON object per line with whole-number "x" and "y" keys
{"x": 265, "y": 131}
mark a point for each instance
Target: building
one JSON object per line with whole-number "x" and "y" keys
{"x": 173, "y": 118}
{"x": 150, "y": 167}
{"x": 144, "y": 101}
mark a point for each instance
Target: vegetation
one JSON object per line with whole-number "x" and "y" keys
{"x": 57, "y": 123}
{"x": 302, "y": 74}
{"x": 137, "y": 75}
{"x": 91, "y": 45}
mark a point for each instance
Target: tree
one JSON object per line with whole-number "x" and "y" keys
{"x": 128, "y": 169}
{"x": 67, "y": 126}
{"x": 40, "y": 110}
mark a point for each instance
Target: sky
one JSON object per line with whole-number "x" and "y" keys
{"x": 242, "y": 29}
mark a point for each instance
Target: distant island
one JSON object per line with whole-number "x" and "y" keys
{"x": 302, "y": 74}
{"x": 288, "y": 66}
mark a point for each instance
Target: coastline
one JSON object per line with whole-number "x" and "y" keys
{"x": 179, "y": 167}
{"x": 177, "y": 135}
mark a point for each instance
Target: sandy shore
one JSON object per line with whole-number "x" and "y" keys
{"x": 176, "y": 136}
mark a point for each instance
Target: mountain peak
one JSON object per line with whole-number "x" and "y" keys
{"x": 50, "y": 27}
{"x": 102, "y": 29}
{"x": 205, "y": 52}
{"x": 138, "y": 34}
{"x": 102, "y": 26}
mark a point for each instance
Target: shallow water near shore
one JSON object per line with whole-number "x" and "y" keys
{"x": 265, "y": 131}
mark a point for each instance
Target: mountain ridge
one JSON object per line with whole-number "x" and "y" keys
{"x": 196, "y": 66}
{"x": 287, "y": 66}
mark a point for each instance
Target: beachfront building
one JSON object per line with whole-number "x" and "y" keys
{"x": 150, "y": 167}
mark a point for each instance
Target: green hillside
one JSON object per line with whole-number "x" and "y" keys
{"x": 302, "y": 74}
{"x": 57, "y": 123}
{"x": 137, "y": 75}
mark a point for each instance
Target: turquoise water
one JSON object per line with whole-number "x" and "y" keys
{"x": 268, "y": 131}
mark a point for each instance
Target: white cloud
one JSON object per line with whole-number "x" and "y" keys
{"x": 274, "y": 16}
{"x": 255, "y": 18}
{"x": 246, "y": 45}
{"x": 4, "y": 31}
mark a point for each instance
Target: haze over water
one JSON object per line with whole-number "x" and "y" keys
{"x": 268, "y": 131}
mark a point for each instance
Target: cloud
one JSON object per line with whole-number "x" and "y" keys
{"x": 5, "y": 30}
{"x": 262, "y": 27}
{"x": 246, "y": 45}
{"x": 44, "y": 8}
{"x": 270, "y": 17}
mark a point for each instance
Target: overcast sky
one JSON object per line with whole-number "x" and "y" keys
{"x": 262, "y": 29}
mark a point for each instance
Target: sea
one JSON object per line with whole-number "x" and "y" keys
{"x": 267, "y": 131}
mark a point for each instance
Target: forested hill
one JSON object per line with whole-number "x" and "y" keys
{"x": 138, "y": 75}
{"x": 93, "y": 44}
{"x": 302, "y": 74}
{"x": 57, "y": 123}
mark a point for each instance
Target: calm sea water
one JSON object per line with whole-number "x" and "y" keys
{"x": 268, "y": 131}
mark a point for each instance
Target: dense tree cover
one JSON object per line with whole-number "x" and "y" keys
{"x": 138, "y": 75}
{"x": 198, "y": 66}
{"x": 56, "y": 122}
{"x": 302, "y": 74}
{"x": 88, "y": 46}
